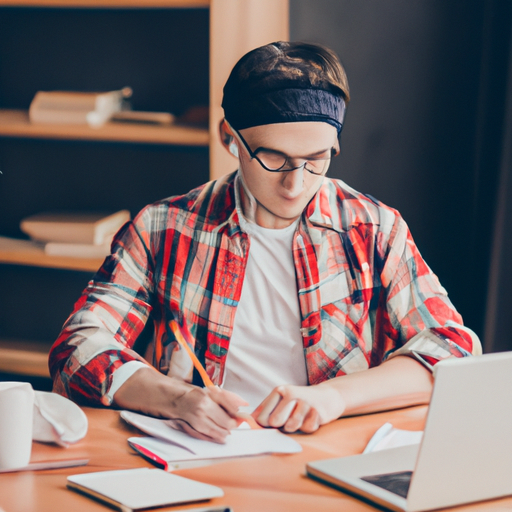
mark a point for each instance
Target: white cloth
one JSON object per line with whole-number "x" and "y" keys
{"x": 57, "y": 420}
{"x": 266, "y": 347}
{"x": 388, "y": 436}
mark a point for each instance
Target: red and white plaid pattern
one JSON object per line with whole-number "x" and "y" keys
{"x": 364, "y": 291}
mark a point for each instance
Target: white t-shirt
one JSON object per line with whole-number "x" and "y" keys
{"x": 266, "y": 347}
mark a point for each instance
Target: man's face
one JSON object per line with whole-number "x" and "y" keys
{"x": 282, "y": 196}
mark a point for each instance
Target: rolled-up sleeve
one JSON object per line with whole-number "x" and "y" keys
{"x": 425, "y": 321}
{"x": 93, "y": 354}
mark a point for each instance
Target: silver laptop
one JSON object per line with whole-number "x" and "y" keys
{"x": 466, "y": 451}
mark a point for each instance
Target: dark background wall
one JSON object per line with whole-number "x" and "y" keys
{"x": 425, "y": 127}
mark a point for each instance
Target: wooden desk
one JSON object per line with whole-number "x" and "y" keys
{"x": 272, "y": 483}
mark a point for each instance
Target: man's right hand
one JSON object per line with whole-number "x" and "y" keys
{"x": 204, "y": 413}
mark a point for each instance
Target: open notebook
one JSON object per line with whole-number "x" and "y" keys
{"x": 466, "y": 451}
{"x": 168, "y": 445}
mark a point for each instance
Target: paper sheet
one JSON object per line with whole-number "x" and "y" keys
{"x": 173, "y": 445}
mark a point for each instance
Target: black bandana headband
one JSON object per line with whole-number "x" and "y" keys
{"x": 286, "y": 105}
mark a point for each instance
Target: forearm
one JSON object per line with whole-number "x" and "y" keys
{"x": 150, "y": 392}
{"x": 205, "y": 413}
{"x": 399, "y": 382}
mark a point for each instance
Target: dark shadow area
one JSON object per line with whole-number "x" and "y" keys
{"x": 424, "y": 129}
{"x": 106, "y": 49}
{"x": 38, "y": 383}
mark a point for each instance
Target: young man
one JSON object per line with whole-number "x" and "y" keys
{"x": 304, "y": 299}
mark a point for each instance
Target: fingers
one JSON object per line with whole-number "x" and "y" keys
{"x": 265, "y": 409}
{"x": 275, "y": 410}
{"x": 290, "y": 408}
{"x": 311, "y": 422}
{"x": 229, "y": 401}
{"x": 304, "y": 418}
{"x": 204, "y": 416}
{"x": 295, "y": 419}
{"x": 283, "y": 412}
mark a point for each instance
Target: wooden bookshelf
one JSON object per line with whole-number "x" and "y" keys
{"x": 15, "y": 123}
{"x": 24, "y": 357}
{"x": 234, "y": 27}
{"x": 25, "y": 252}
{"x": 107, "y": 4}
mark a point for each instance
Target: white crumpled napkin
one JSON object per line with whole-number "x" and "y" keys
{"x": 57, "y": 420}
{"x": 388, "y": 436}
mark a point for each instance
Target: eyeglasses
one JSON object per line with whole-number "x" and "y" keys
{"x": 275, "y": 161}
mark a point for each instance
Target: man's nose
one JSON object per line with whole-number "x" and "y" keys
{"x": 294, "y": 180}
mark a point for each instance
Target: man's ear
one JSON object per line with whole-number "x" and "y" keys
{"x": 227, "y": 138}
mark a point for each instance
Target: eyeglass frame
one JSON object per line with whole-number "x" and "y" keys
{"x": 254, "y": 155}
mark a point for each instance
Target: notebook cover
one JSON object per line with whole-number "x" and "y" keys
{"x": 141, "y": 488}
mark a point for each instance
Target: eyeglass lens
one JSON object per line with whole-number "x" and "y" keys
{"x": 277, "y": 162}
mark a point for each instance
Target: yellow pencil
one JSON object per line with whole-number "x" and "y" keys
{"x": 199, "y": 367}
{"x": 197, "y": 364}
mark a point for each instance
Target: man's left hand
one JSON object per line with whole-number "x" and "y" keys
{"x": 303, "y": 408}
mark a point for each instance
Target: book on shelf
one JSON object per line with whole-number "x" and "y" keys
{"x": 92, "y": 228}
{"x": 17, "y": 245}
{"x": 78, "y": 250}
{"x": 69, "y": 107}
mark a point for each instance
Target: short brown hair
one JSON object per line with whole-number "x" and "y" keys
{"x": 278, "y": 72}
{"x": 298, "y": 61}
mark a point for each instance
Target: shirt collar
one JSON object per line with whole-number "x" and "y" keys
{"x": 324, "y": 210}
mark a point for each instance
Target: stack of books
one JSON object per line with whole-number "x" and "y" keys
{"x": 75, "y": 234}
{"x": 67, "y": 107}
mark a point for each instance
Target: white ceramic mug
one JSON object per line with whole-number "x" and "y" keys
{"x": 16, "y": 417}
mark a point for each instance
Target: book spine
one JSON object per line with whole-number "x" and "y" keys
{"x": 77, "y": 250}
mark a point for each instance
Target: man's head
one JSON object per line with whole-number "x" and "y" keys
{"x": 286, "y": 82}
{"x": 284, "y": 106}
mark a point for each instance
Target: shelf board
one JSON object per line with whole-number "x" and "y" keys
{"x": 108, "y": 4}
{"x": 15, "y": 123}
{"x": 25, "y": 252}
{"x": 24, "y": 357}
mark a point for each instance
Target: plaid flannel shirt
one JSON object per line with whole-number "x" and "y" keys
{"x": 365, "y": 293}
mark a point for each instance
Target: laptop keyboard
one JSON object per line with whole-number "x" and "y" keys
{"x": 397, "y": 483}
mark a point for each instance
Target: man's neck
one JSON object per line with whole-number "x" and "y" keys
{"x": 253, "y": 211}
